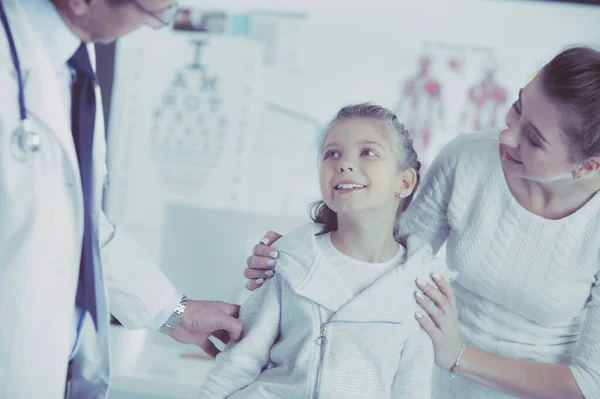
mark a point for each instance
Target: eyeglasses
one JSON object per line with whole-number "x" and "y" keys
{"x": 166, "y": 17}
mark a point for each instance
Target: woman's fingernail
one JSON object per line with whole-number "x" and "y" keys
{"x": 420, "y": 282}
{"x": 269, "y": 273}
{"x": 436, "y": 277}
{"x": 273, "y": 254}
{"x": 419, "y": 315}
{"x": 271, "y": 262}
{"x": 419, "y": 294}
{"x": 265, "y": 241}
{"x": 260, "y": 281}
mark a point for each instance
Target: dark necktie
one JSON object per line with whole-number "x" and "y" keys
{"x": 83, "y": 115}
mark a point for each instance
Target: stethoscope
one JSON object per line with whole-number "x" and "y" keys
{"x": 25, "y": 141}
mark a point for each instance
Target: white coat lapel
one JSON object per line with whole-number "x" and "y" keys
{"x": 42, "y": 93}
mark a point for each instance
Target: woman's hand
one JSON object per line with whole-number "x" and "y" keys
{"x": 443, "y": 326}
{"x": 262, "y": 261}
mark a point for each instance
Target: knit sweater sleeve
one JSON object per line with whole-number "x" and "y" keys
{"x": 427, "y": 215}
{"x": 586, "y": 358}
{"x": 242, "y": 362}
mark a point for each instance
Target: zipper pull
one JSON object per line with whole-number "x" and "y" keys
{"x": 322, "y": 339}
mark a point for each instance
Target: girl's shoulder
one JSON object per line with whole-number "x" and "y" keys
{"x": 298, "y": 250}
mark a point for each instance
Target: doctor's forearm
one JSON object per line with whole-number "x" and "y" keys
{"x": 521, "y": 378}
{"x": 136, "y": 302}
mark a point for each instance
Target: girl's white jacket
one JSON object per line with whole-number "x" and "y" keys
{"x": 306, "y": 336}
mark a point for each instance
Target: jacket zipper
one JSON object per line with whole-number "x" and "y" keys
{"x": 322, "y": 342}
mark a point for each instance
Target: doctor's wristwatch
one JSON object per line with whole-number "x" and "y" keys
{"x": 173, "y": 320}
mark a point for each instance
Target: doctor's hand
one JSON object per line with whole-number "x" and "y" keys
{"x": 201, "y": 319}
{"x": 440, "y": 305}
{"x": 262, "y": 262}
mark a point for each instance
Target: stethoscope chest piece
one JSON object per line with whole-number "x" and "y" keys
{"x": 25, "y": 142}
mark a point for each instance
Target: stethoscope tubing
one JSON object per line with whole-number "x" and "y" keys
{"x": 15, "y": 59}
{"x": 26, "y": 141}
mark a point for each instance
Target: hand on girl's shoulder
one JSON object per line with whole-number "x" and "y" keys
{"x": 297, "y": 251}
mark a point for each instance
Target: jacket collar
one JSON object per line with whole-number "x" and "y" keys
{"x": 389, "y": 299}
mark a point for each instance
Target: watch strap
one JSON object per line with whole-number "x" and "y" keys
{"x": 175, "y": 317}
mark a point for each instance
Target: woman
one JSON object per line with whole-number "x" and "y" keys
{"x": 521, "y": 222}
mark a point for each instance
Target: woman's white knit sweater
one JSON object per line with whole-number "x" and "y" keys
{"x": 528, "y": 287}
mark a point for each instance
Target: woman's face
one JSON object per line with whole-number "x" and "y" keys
{"x": 533, "y": 146}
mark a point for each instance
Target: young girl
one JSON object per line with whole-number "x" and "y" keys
{"x": 337, "y": 320}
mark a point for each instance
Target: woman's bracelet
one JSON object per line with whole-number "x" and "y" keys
{"x": 455, "y": 369}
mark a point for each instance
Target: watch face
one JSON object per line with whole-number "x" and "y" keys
{"x": 181, "y": 306}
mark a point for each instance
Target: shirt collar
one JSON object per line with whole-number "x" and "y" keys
{"x": 59, "y": 42}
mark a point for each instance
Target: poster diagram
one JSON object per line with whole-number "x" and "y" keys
{"x": 198, "y": 113}
{"x": 203, "y": 120}
{"x": 207, "y": 137}
{"x": 486, "y": 101}
{"x": 420, "y": 106}
{"x": 189, "y": 125}
{"x": 456, "y": 89}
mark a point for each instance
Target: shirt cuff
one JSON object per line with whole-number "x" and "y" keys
{"x": 165, "y": 313}
{"x": 585, "y": 380}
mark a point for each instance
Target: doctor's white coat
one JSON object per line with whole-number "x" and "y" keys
{"x": 41, "y": 228}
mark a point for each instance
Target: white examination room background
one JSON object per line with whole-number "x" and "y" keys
{"x": 212, "y": 137}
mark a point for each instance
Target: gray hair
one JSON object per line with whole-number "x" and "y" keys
{"x": 402, "y": 145}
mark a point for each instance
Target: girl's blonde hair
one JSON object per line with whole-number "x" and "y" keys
{"x": 402, "y": 145}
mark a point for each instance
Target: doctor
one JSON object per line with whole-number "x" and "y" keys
{"x": 59, "y": 255}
